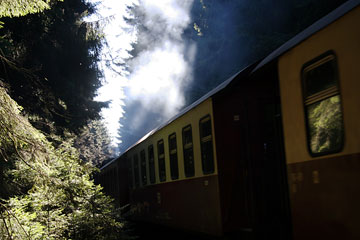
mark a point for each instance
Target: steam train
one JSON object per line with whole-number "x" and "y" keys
{"x": 271, "y": 153}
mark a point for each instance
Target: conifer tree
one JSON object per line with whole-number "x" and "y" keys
{"x": 94, "y": 143}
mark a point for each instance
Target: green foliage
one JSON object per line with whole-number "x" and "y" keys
{"x": 49, "y": 63}
{"x": 49, "y": 192}
{"x": 16, "y": 8}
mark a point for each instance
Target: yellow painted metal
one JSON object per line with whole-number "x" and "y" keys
{"x": 192, "y": 117}
{"x": 343, "y": 38}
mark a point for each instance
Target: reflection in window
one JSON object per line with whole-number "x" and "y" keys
{"x": 188, "y": 151}
{"x": 207, "y": 155}
{"x": 174, "y": 169}
{"x": 161, "y": 158}
{"x": 325, "y": 125}
{"x": 323, "y": 106}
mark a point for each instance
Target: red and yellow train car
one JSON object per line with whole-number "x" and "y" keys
{"x": 273, "y": 152}
{"x": 319, "y": 83}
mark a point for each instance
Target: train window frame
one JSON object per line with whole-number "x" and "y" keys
{"x": 325, "y": 95}
{"x": 143, "y": 167}
{"x": 152, "y": 174}
{"x": 207, "y": 167}
{"x": 188, "y": 152}
{"x": 136, "y": 166}
{"x": 161, "y": 160}
{"x": 173, "y": 157}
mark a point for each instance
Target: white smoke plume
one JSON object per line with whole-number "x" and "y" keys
{"x": 163, "y": 65}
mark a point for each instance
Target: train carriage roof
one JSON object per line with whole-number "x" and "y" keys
{"x": 312, "y": 29}
{"x": 242, "y": 73}
{"x": 302, "y": 36}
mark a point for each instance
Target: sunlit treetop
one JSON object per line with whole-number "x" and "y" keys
{"x": 17, "y": 8}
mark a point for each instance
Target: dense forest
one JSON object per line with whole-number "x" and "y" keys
{"x": 51, "y": 133}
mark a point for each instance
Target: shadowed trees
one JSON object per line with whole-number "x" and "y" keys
{"x": 49, "y": 60}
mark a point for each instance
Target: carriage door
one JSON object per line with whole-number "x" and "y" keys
{"x": 252, "y": 169}
{"x": 271, "y": 209}
{"x": 233, "y": 165}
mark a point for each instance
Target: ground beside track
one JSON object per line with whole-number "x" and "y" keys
{"x": 147, "y": 231}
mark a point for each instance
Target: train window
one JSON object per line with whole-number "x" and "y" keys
{"x": 130, "y": 169}
{"x": 188, "y": 151}
{"x": 136, "y": 171}
{"x": 207, "y": 156}
{"x": 161, "y": 158}
{"x": 174, "y": 169}
{"x": 143, "y": 167}
{"x": 322, "y": 100}
{"x": 151, "y": 164}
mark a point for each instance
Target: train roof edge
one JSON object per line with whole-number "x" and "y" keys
{"x": 220, "y": 87}
{"x": 300, "y": 37}
{"x": 309, "y": 31}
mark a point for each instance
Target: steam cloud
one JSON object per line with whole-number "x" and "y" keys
{"x": 160, "y": 70}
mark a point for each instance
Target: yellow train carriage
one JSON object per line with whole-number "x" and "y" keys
{"x": 319, "y": 85}
{"x": 176, "y": 128}
{"x": 172, "y": 175}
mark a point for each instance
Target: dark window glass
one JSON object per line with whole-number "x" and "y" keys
{"x": 319, "y": 77}
{"x": 188, "y": 151}
{"x": 323, "y": 106}
{"x": 136, "y": 171}
{"x": 161, "y": 158}
{"x": 174, "y": 169}
{"x": 207, "y": 155}
{"x": 143, "y": 167}
{"x": 205, "y": 127}
{"x": 130, "y": 172}
{"x": 151, "y": 164}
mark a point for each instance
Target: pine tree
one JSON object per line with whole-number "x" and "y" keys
{"x": 47, "y": 192}
{"x": 94, "y": 143}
